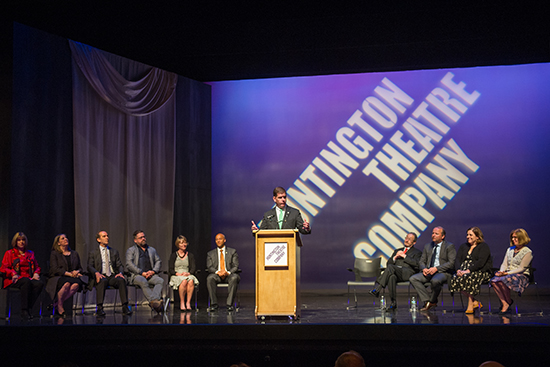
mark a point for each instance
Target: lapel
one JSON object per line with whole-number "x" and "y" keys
{"x": 285, "y": 217}
{"x": 226, "y": 253}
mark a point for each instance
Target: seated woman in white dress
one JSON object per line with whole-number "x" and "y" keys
{"x": 181, "y": 268}
{"x": 514, "y": 270}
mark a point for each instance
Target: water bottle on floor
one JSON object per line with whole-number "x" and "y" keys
{"x": 414, "y": 306}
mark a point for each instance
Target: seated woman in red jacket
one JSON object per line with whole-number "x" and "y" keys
{"x": 65, "y": 272}
{"x": 21, "y": 271}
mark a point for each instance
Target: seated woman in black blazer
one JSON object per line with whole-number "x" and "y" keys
{"x": 65, "y": 273}
{"x": 473, "y": 263}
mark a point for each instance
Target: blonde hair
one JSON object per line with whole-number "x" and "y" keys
{"x": 17, "y": 236}
{"x": 56, "y": 246}
{"x": 179, "y": 239}
{"x": 523, "y": 237}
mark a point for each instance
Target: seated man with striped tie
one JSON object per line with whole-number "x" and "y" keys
{"x": 401, "y": 265}
{"x": 106, "y": 269}
{"x": 222, "y": 264}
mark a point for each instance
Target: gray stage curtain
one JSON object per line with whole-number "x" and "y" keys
{"x": 124, "y": 150}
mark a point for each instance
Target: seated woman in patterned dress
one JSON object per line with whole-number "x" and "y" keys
{"x": 514, "y": 270}
{"x": 181, "y": 268}
{"x": 473, "y": 263}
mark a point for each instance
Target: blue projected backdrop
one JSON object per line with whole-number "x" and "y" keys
{"x": 370, "y": 157}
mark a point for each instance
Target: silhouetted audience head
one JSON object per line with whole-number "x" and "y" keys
{"x": 350, "y": 359}
{"x": 240, "y": 364}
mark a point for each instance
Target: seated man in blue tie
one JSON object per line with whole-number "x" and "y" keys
{"x": 436, "y": 267}
{"x": 222, "y": 264}
{"x": 401, "y": 265}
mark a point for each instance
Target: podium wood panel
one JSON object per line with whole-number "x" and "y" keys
{"x": 278, "y": 288}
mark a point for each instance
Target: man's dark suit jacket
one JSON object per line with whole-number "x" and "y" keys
{"x": 447, "y": 256}
{"x": 231, "y": 260}
{"x": 292, "y": 220}
{"x": 411, "y": 261}
{"x": 95, "y": 263}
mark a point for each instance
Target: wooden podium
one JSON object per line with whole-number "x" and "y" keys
{"x": 278, "y": 272}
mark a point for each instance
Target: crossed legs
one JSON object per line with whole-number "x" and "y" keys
{"x": 66, "y": 292}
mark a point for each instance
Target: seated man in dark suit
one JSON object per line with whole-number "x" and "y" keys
{"x": 105, "y": 268}
{"x": 436, "y": 267}
{"x": 222, "y": 264}
{"x": 401, "y": 265}
{"x": 282, "y": 216}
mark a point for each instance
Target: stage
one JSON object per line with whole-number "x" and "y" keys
{"x": 326, "y": 328}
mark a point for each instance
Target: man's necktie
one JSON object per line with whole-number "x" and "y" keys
{"x": 106, "y": 262}
{"x": 281, "y": 215}
{"x": 222, "y": 262}
{"x": 434, "y": 253}
{"x": 405, "y": 250}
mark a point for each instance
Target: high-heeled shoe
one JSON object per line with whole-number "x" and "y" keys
{"x": 477, "y": 304}
{"x": 61, "y": 315}
{"x": 469, "y": 312}
{"x": 508, "y": 310}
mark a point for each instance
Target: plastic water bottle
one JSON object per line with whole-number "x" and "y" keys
{"x": 382, "y": 303}
{"x": 414, "y": 306}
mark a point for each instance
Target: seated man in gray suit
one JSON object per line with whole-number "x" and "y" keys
{"x": 105, "y": 268}
{"x": 222, "y": 264}
{"x": 282, "y": 216}
{"x": 143, "y": 263}
{"x": 436, "y": 267}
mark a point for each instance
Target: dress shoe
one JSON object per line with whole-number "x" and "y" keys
{"x": 157, "y": 305}
{"x": 375, "y": 292}
{"x": 428, "y": 306}
{"x": 154, "y": 304}
{"x": 100, "y": 311}
{"x": 393, "y": 306}
{"x": 230, "y": 308}
{"x": 26, "y": 315}
{"x": 126, "y": 310}
{"x": 212, "y": 308}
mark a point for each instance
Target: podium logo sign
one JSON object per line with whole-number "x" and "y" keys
{"x": 276, "y": 254}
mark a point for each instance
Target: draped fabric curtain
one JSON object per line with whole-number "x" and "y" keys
{"x": 124, "y": 150}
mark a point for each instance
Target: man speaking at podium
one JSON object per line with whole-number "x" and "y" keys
{"x": 283, "y": 216}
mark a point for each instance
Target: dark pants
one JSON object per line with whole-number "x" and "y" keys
{"x": 232, "y": 280}
{"x": 392, "y": 275}
{"x": 436, "y": 282}
{"x": 114, "y": 282}
{"x": 30, "y": 291}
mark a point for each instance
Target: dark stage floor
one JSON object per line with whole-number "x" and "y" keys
{"x": 326, "y": 328}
